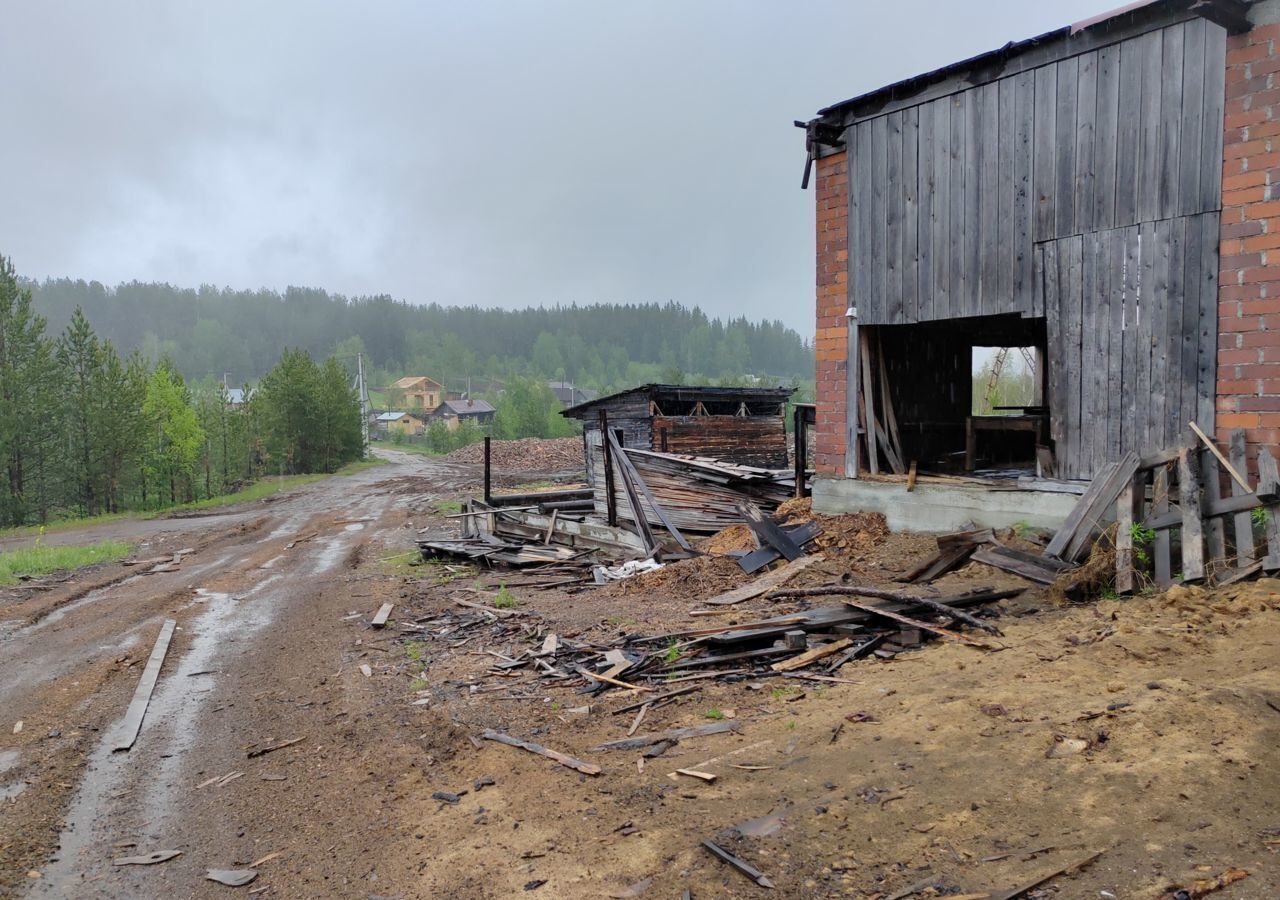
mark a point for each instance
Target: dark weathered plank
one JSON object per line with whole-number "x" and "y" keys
{"x": 988, "y": 252}
{"x": 1189, "y": 362}
{"x": 1269, "y": 483}
{"x": 1159, "y": 308}
{"x": 1168, "y": 171}
{"x": 1045, "y": 151}
{"x": 1192, "y": 531}
{"x": 940, "y": 289}
{"x": 1047, "y": 264}
{"x": 961, "y": 183}
{"x": 1243, "y": 521}
{"x": 1106, "y": 122}
{"x": 1161, "y": 545}
{"x": 927, "y": 224}
{"x": 860, "y": 259}
{"x": 1065, "y": 165}
{"x": 1070, "y": 299}
{"x": 1127, "y": 128}
{"x": 1026, "y": 288}
{"x": 1115, "y": 339}
{"x": 1215, "y": 76}
{"x": 1149, "y": 48}
{"x": 1144, "y": 310}
{"x": 1128, "y": 511}
{"x": 1096, "y": 498}
{"x": 1207, "y": 362}
{"x": 910, "y": 213}
{"x": 1086, "y": 113}
{"x": 1131, "y": 269}
{"x": 1215, "y": 536}
{"x": 1190, "y": 142}
{"x": 1006, "y": 202}
{"x": 879, "y": 199}
{"x": 1091, "y": 279}
{"x": 891, "y": 262}
{"x": 1175, "y": 300}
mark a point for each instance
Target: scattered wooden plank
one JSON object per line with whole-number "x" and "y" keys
{"x": 1013, "y": 892}
{"x": 757, "y": 559}
{"x": 916, "y": 623}
{"x": 769, "y": 533}
{"x": 1215, "y": 529}
{"x": 635, "y": 725}
{"x": 1162, "y": 561}
{"x": 742, "y": 866}
{"x": 1091, "y": 509}
{"x": 1222, "y": 460}
{"x": 132, "y": 722}
{"x": 811, "y": 656}
{"x": 694, "y": 773}
{"x": 614, "y": 681}
{"x": 1128, "y": 511}
{"x": 1269, "y": 483}
{"x": 491, "y": 610}
{"x": 146, "y": 859}
{"x": 263, "y": 751}
{"x": 765, "y": 583}
{"x": 1040, "y": 569}
{"x": 676, "y": 734}
{"x": 657, "y": 698}
{"x": 381, "y": 616}
{"x": 585, "y": 768}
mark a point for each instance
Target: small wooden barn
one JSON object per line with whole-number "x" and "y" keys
{"x": 740, "y": 425}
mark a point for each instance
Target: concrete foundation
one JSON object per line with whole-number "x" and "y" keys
{"x": 938, "y": 507}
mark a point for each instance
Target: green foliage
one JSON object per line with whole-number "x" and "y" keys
{"x": 1142, "y": 538}
{"x": 419, "y": 684}
{"x": 714, "y": 713}
{"x": 310, "y": 415}
{"x": 672, "y": 653}
{"x": 1260, "y": 515}
{"x": 504, "y": 599}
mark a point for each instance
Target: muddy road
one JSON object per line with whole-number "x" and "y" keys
{"x": 247, "y": 665}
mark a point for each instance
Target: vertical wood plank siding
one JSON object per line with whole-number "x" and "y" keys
{"x": 1085, "y": 191}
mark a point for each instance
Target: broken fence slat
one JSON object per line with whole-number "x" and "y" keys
{"x": 741, "y": 865}
{"x": 676, "y": 734}
{"x": 769, "y": 533}
{"x": 765, "y": 583}
{"x": 263, "y": 751}
{"x": 1192, "y": 527}
{"x": 132, "y": 722}
{"x": 916, "y": 623}
{"x": 585, "y": 768}
{"x": 381, "y": 616}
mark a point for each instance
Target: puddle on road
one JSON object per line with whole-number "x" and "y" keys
{"x": 9, "y": 791}
{"x": 9, "y": 759}
{"x": 355, "y": 526}
{"x": 91, "y": 597}
{"x": 205, "y": 596}
{"x": 271, "y": 563}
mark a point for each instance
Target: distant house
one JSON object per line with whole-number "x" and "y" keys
{"x": 389, "y": 423}
{"x": 569, "y": 394}
{"x": 466, "y": 388}
{"x": 237, "y": 396}
{"x": 454, "y": 412}
{"x": 419, "y": 392}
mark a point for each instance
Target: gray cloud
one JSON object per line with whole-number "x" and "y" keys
{"x": 500, "y": 154}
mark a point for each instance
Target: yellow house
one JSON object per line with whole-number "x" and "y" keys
{"x": 402, "y": 423}
{"x": 420, "y": 392}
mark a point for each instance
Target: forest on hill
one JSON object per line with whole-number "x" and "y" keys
{"x": 210, "y": 331}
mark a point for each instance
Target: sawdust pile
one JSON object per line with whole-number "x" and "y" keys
{"x": 526, "y": 455}
{"x": 735, "y": 537}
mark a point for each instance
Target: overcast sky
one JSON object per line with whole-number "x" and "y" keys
{"x": 500, "y": 154}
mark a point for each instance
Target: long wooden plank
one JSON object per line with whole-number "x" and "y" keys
{"x": 770, "y": 533}
{"x": 1105, "y": 135}
{"x": 1269, "y": 484}
{"x": 861, "y": 176}
{"x": 1167, "y": 167}
{"x": 1127, "y": 133}
{"x": 891, "y": 262}
{"x": 381, "y": 616}
{"x": 1150, "y": 48}
{"x": 564, "y": 759}
{"x": 811, "y": 656}
{"x": 940, "y": 283}
{"x": 1086, "y": 113}
{"x": 1173, "y": 302}
{"x": 764, "y": 583}
{"x": 1128, "y": 511}
{"x": 989, "y": 251}
{"x": 675, "y": 734}
{"x": 1207, "y": 361}
{"x": 1192, "y": 531}
{"x": 910, "y": 213}
{"x": 1190, "y": 328}
{"x": 1071, "y": 298}
{"x": 879, "y": 188}
{"x": 998, "y": 557}
{"x": 1007, "y": 201}
{"x": 1144, "y": 308}
{"x": 959, "y": 173}
{"x": 1215, "y": 530}
{"x": 1160, "y": 309}
{"x": 127, "y": 731}
{"x": 1161, "y": 561}
{"x": 1226, "y": 464}
{"x": 1215, "y": 76}
{"x": 1191, "y": 137}
{"x": 868, "y": 402}
{"x": 633, "y": 500}
{"x": 1115, "y": 339}
{"x": 926, "y": 192}
{"x": 1045, "y": 151}
{"x": 916, "y": 623}
{"x": 1243, "y": 521}
{"x": 1025, "y": 286}
{"x": 1068, "y": 85}
{"x": 635, "y": 478}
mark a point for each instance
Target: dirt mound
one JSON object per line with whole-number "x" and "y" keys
{"x": 687, "y": 580}
{"x": 735, "y": 537}
{"x": 526, "y": 455}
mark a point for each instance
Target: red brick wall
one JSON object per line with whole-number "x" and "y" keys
{"x": 832, "y": 349}
{"x": 1248, "y": 384}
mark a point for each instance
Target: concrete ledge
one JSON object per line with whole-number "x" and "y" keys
{"x": 936, "y": 507}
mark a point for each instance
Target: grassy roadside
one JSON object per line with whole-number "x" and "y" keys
{"x": 260, "y": 489}
{"x": 405, "y": 448}
{"x": 45, "y": 560}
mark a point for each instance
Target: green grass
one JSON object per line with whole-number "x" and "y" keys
{"x": 714, "y": 713}
{"x": 43, "y": 559}
{"x": 504, "y": 599}
{"x": 447, "y": 506}
{"x": 406, "y": 447}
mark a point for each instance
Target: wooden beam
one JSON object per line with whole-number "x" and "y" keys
{"x": 1192, "y": 530}
{"x": 851, "y": 451}
{"x": 610, "y": 501}
{"x": 1213, "y": 448}
{"x": 811, "y": 656}
{"x": 1269, "y": 483}
{"x": 764, "y": 583}
{"x": 916, "y": 623}
{"x": 1128, "y": 511}
{"x": 585, "y": 768}
{"x": 869, "y": 404}
{"x": 129, "y": 727}
{"x": 1243, "y": 520}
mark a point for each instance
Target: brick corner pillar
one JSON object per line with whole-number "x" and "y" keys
{"x": 1248, "y": 377}
{"x": 832, "y": 340}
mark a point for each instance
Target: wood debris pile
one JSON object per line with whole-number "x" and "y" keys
{"x": 526, "y": 455}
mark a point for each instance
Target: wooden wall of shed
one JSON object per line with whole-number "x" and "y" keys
{"x": 746, "y": 440}
{"x": 1133, "y": 331}
{"x": 948, "y": 198}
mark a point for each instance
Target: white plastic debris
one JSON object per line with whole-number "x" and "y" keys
{"x": 604, "y": 574}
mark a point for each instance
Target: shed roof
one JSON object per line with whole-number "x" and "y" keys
{"x": 1064, "y": 41}
{"x": 395, "y": 416}
{"x": 685, "y": 393}
{"x": 466, "y": 407}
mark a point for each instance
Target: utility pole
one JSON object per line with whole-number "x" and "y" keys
{"x": 362, "y": 390}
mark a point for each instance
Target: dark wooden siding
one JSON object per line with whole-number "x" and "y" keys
{"x": 1132, "y": 321}
{"x": 745, "y": 440}
{"x": 948, "y": 198}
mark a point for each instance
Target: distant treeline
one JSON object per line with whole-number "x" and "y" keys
{"x": 211, "y": 331}
{"x": 86, "y": 428}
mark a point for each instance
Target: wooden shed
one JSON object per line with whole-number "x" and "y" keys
{"x": 1063, "y": 195}
{"x": 733, "y": 424}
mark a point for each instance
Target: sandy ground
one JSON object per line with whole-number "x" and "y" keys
{"x": 954, "y": 772}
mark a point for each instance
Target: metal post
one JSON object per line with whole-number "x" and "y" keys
{"x": 851, "y": 398}
{"x": 611, "y": 504}
{"x": 800, "y": 428}
{"x": 488, "y": 484}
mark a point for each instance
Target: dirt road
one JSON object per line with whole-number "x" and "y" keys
{"x": 249, "y": 651}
